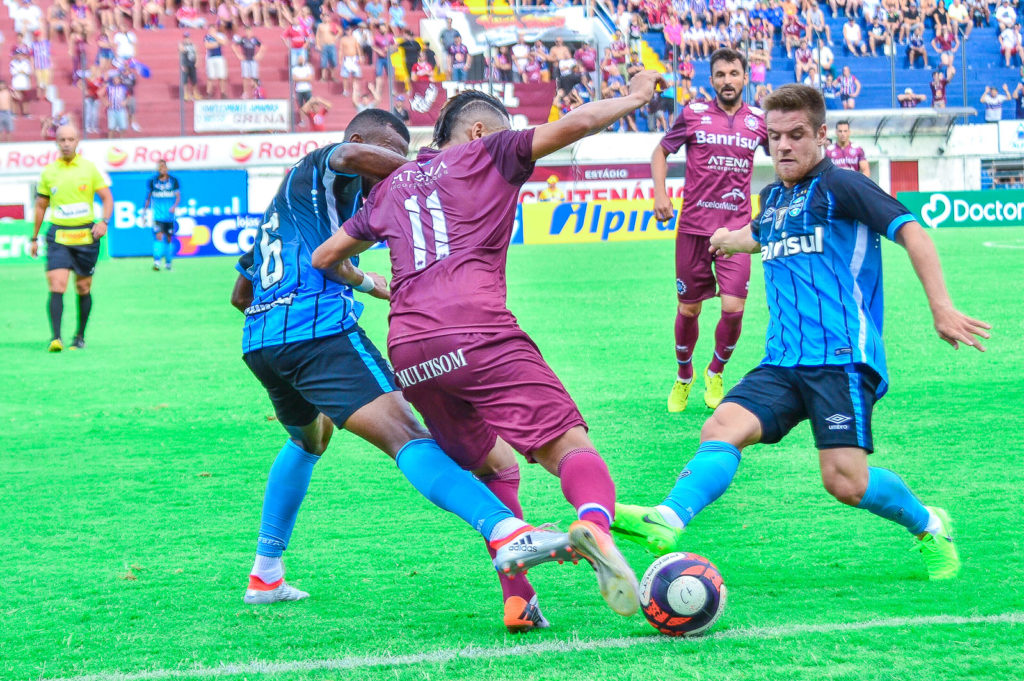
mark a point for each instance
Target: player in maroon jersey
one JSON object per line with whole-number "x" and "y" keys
{"x": 457, "y": 350}
{"x": 845, "y": 154}
{"x": 721, "y": 138}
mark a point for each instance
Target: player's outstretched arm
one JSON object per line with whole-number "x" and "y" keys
{"x": 726, "y": 242}
{"x": 332, "y": 259}
{"x": 367, "y": 160}
{"x": 594, "y": 116}
{"x": 953, "y": 326}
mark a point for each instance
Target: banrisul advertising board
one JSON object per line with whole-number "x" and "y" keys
{"x": 993, "y": 208}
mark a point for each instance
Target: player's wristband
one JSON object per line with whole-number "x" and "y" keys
{"x": 366, "y": 285}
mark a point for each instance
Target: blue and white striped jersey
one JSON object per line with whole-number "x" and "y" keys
{"x": 821, "y": 252}
{"x": 292, "y": 301}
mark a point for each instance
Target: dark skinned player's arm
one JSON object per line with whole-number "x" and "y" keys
{"x": 241, "y": 294}
{"x": 372, "y": 162}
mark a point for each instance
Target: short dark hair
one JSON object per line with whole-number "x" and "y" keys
{"x": 797, "y": 97}
{"x": 728, "y": 55}
{"x": 456, "y": 108}
{"x": 366, "y": 121}
{"x": 845, "y": 122}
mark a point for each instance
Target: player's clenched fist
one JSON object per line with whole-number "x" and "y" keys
{"x": 645, "y": 84}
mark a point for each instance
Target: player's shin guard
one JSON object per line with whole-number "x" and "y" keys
{"x": 504, "y": 484}
{"x": 56, "y": 310}
{"x": 588, "y": 486}
{"x": 440, "y": 480}
{"x": 727, "y": 334}
{"x": 889, "y": 497}
{"x": 705, "y": 478}
{"x": 286, "y": 488}
{"x": 84, "y": 308}
{"x": 687, "y": 331}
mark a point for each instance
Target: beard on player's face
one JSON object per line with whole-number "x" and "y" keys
{"x": 729, "y": 95}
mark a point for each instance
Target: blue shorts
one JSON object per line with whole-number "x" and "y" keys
{"x": 334, "y": 375}
{"x": 836, "y": 399}
{"x": 382, "y": 66}
{"x": 329, "y": 57}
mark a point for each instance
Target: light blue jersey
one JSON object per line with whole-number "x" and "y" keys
{"x": 821, "y": 252}
{"x": 292, "y": 301}
{"x": 162, "y": 196}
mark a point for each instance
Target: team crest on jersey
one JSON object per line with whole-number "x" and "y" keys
{"x": 698, "y": 107}
{"x": 796, "y": 206}
{"x": 680, "y": 286}
{"x": 751, "y": 121}
{"x": 705, "y": 120}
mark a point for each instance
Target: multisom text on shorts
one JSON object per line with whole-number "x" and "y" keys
{"x": 431, "y": 368}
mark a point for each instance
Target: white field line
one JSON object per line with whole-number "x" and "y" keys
{"x": 1018, "y": 244}
{"x": 257, "y": 668}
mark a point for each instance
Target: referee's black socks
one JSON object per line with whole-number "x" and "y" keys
{"x": 84, "y": 307}
{"x": 56, "y": 312}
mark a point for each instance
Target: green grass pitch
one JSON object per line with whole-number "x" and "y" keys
{"x": 132, "y": 472}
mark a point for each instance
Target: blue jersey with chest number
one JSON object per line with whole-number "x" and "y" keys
{"x": 292, "y": 301}
{"x": 162, "y": 196}
{"x": 821, "y": 253}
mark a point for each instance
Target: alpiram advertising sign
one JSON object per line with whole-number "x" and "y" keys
{"x": 994, "y": 208}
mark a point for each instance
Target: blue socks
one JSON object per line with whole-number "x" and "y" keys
{"x": 168, "y": 250}
{"x": 440, "y": 480}
{"x": 889, "y": 497}
{"x": 158, "y": 249}
{"x": 704, "y": 479}
{"x": 286, "y": 487}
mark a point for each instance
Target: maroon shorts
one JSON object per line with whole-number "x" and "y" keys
{"x": 695, "y": 280}
{"x": 474, "y": 387}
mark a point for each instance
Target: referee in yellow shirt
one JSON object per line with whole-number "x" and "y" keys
{"x": 67, "y": 187}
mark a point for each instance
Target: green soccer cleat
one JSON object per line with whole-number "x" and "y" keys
{"x": 645, "y": 526}
{"x": 677, "y": 398}
{"x": 714, "y": 389}
{"x": 939, "y": 550}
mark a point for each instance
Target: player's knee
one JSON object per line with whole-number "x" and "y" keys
{"x": 689, "y": 309}
{"x": 83, "y": 287}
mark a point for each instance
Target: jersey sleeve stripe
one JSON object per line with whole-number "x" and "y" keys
{"x": 896, "y": 224}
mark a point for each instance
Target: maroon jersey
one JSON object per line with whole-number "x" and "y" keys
{"x": 448, "y": 218}
{"x": 719, "y": 164}
{"x": 848, "y": 157}
{"x": 938, "y": 89}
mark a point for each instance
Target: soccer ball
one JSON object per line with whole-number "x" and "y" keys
{"x": 682, "y": 594}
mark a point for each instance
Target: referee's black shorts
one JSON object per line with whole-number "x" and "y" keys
{"x": 63, "y": 254}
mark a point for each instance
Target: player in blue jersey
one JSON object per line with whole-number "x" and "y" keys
{"x": 164, "y": 195}
{"x": 302, "y": 340}
{"x": 818, "y": 234}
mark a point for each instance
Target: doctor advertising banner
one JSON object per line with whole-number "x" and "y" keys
{"x": 207, "y": 196}
{"x": 994, "y": 208}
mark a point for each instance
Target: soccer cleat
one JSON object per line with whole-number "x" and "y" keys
{"x": 167, "y": 267}
{"x": 77, "y": 344}
{"x": 156, "y": 265}
{"x": 939, "y": 550}
{"x": 677, "y": 398}
{"x": 714, "y": 390}
{"x": 615, "y": 578}
{"x": 261, "y": 593}
{"x": 522, "y": 616}
{"x": 645, "y": 526}
{"x": 56, "y": 345}
{"x": 531, "y": 546}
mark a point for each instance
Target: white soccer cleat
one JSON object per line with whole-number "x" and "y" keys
{"x": 282, "y": 592}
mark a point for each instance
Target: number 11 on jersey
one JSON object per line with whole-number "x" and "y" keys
{"x": 438, "y": 224}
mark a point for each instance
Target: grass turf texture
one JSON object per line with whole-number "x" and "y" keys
{"x": 132, "y": 474}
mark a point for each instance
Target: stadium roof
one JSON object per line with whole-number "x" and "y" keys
{"x": 902, "y": 122}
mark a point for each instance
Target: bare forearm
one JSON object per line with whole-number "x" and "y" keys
{"x": 40, "y": 212}
{"x": 366, "y": 160}
{"x": 659, "y": 170}
{"x": 925, "y": 260}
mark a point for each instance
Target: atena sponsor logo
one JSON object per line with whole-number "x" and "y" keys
{"x": 941, "y": 210}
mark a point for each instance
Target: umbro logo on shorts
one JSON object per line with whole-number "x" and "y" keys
{"x": 839, "y": 422}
